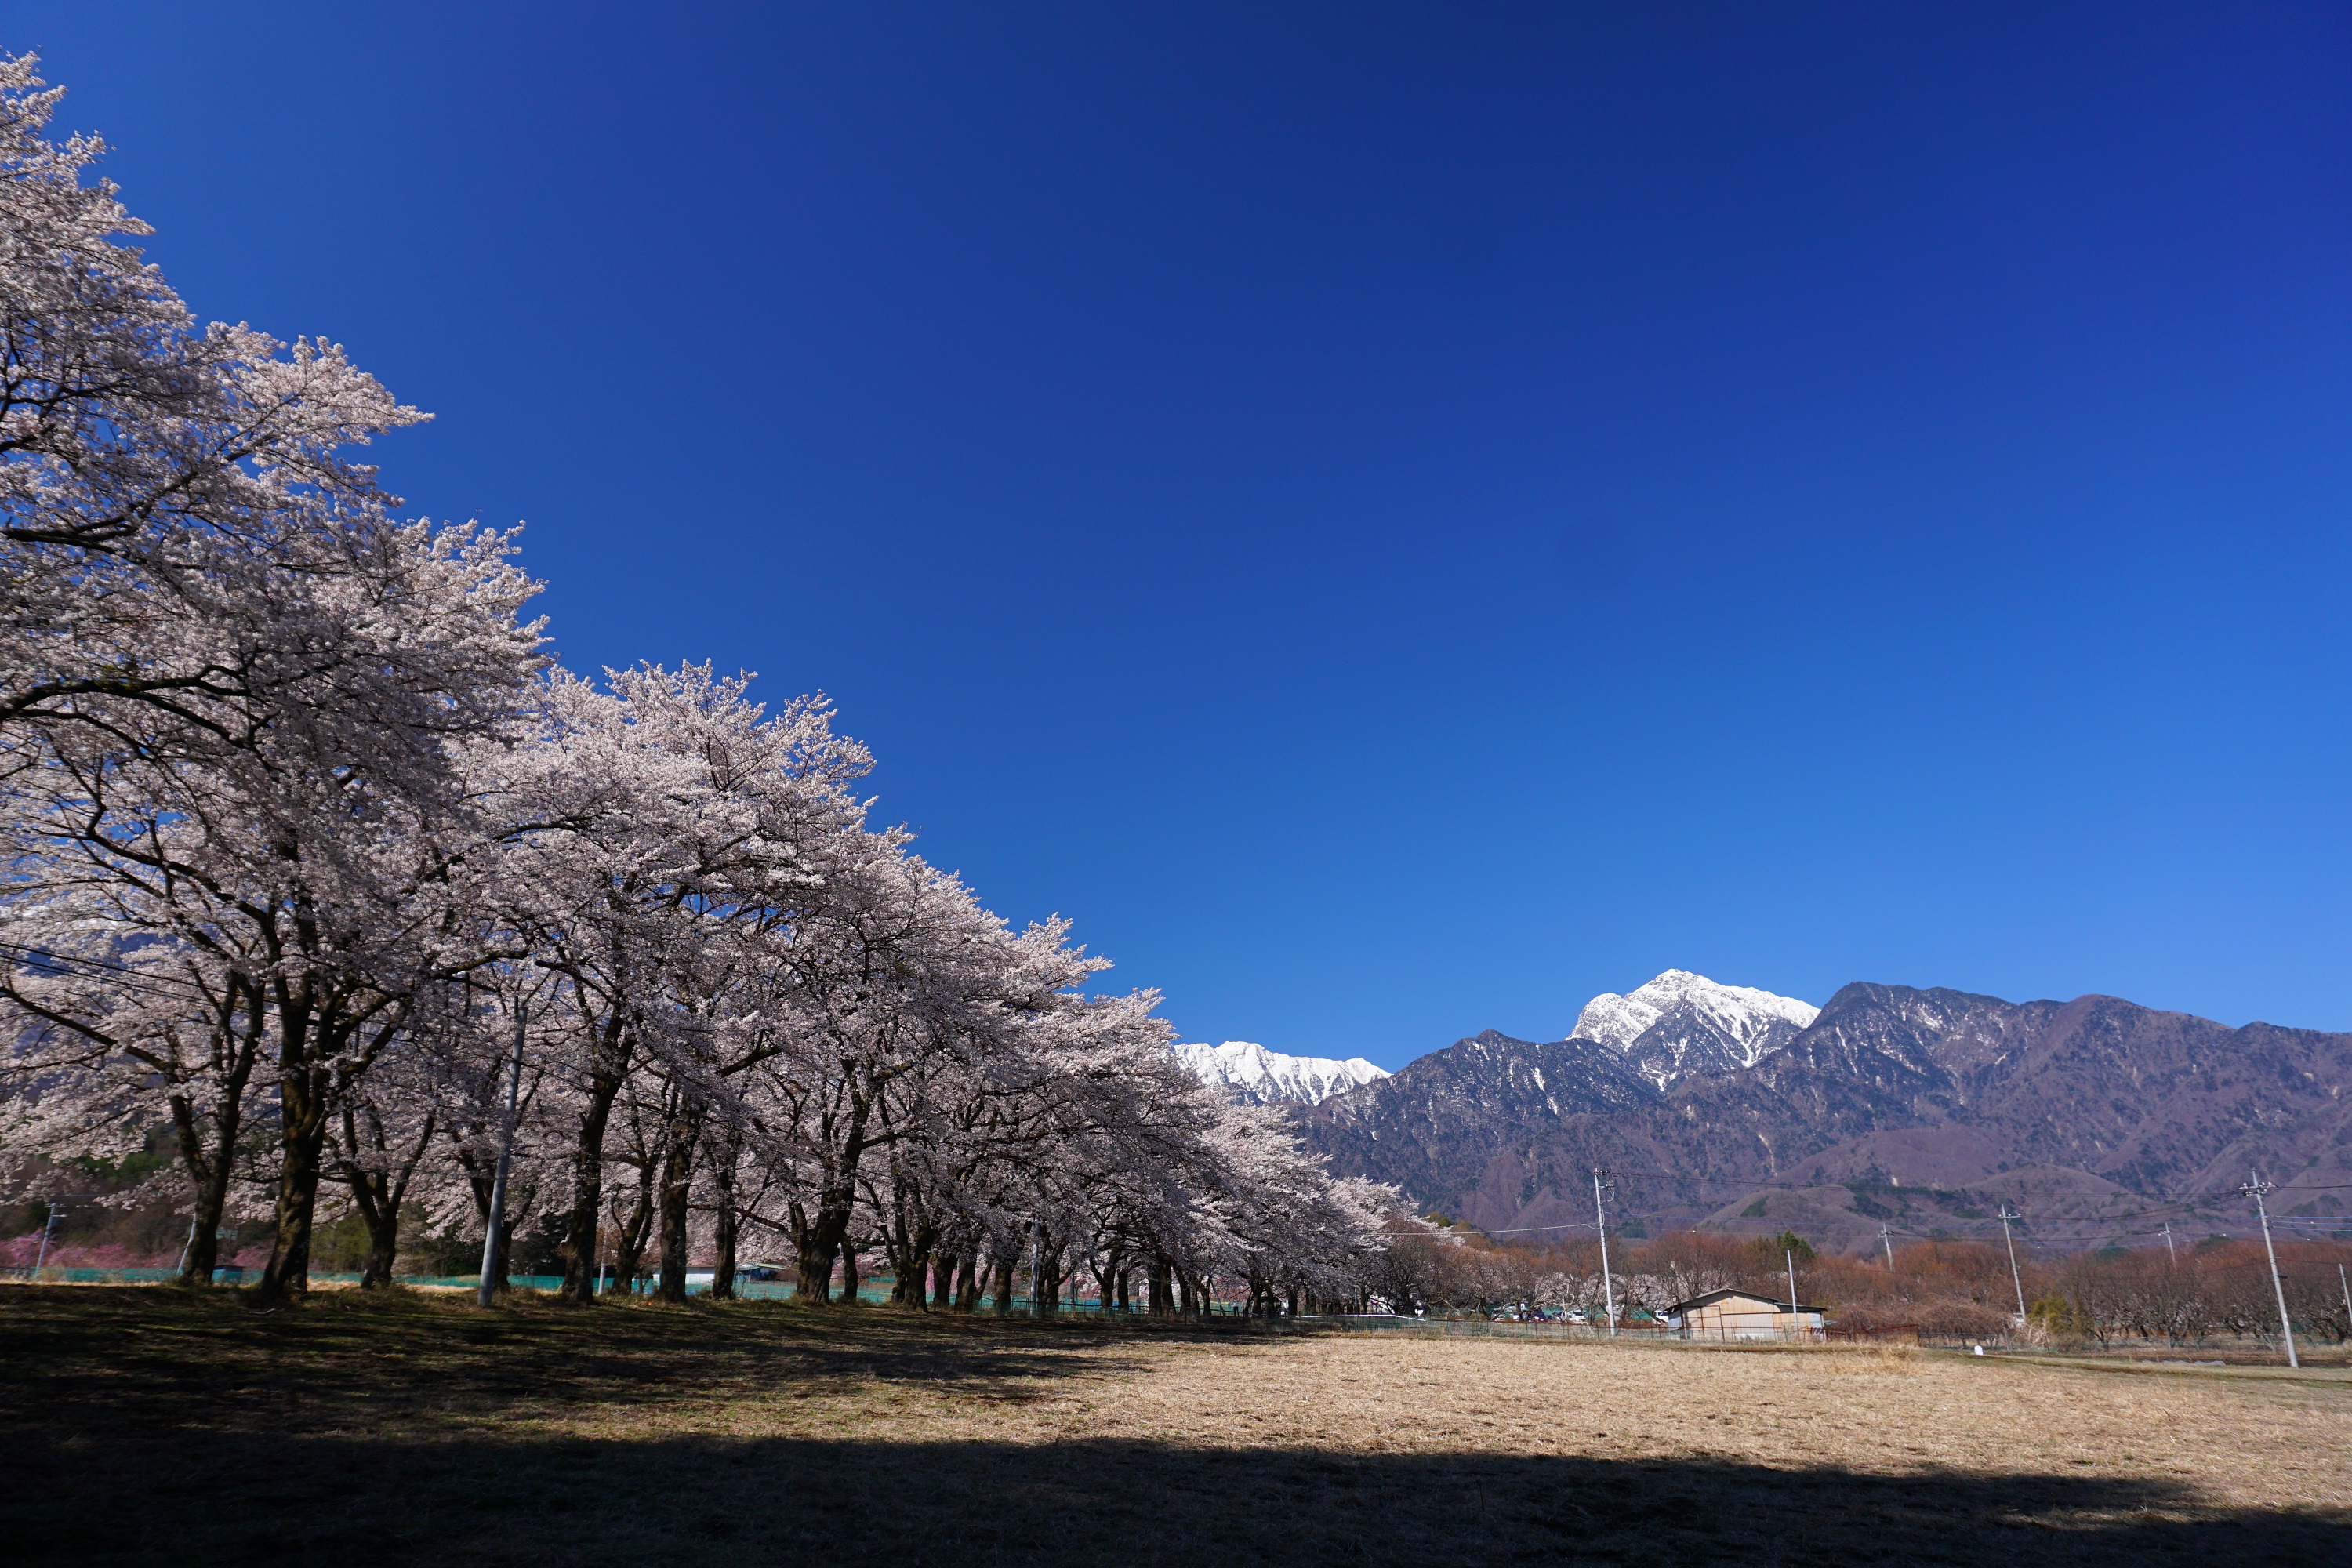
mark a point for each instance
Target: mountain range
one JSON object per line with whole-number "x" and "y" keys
{"x": 1250, "y": 1073}
{"x": 1925, "y": 1110}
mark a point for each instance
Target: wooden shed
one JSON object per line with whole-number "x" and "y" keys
{"x": 1743, "y": 1315}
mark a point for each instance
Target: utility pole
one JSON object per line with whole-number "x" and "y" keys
{"x": 1886, "y": 1238}
{"x": 1036, "y": 1243}
{"x": 2170, "y": 1250}
{"x": 48, "y": 1229}
{"x": 1796, "y": 1325}
{"x": 506, "y": 1159}
{"x": 2254, "y": 1190}
{"x": 1601, "y": 1224}
{"x": 2341, "y": 1279}
{"x": 2014, "y": 1277}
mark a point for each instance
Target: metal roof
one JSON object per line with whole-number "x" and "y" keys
{"x": 1713, "y": 1296}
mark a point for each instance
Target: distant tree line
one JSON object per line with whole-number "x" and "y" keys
{"x": 1954, "y": 1289}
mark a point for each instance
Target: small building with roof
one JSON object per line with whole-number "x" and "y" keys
{"x": 1733, "y": 1315}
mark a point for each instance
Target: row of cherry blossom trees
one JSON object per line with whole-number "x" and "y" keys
{"x": 317, "y": 861}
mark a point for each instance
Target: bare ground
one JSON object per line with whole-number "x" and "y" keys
{"x": 144, "y": 1425}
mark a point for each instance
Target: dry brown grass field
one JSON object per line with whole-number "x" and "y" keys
{"x": 144, "y": 1426}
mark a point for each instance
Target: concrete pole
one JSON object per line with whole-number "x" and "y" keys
{"x": 2255, "y": 1189}
{"x": 48, "y": 1229}
{"x": 1601, "y": 1224}
{"x": 506, "y": 1160}
{"x": 2014, "y": 1277}
{"x": 1796, "y": 1328}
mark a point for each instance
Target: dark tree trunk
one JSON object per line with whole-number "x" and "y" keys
{"x": 815, "y": 1243}
{"x": 580, "y": 1263}
{"x": 849, "y": 1274}
{"x": 823, "y": 1241}
{"x": 825, "y": 1236}
{"x": 967, "y": 1289}
{"x": 728, "y": 1223}
{"x": 211, "y": 1161}
{"x": 1046, "y": 1276}
{"x": 1008, "y": 1263}
{"x": 676, "y": 1182}
{"x": 383, "y": 1250}
{"x": 907, "y": 1243}
{"x": 910, "y": 1272}
{"x": 209, "y": 1170}
{"x": 629, "y": 1244}
{"x": 378, "y": 1190}
{"x": 943, "y": 1279}
{"x": 302, "y": 1123}
{"x": 1106, "y": 1277}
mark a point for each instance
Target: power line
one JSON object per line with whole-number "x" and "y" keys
{"x": 54, "y": 964}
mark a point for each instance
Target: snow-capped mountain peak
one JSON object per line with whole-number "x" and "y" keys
{"x": 1682, "y": 1022}
{"x": 1249, "y": 1071}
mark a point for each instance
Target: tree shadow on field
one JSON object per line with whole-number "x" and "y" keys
{"x": 254, "y": 1497}
{"x": 150, "y": 1358}
{"x": 139, "y": 1427}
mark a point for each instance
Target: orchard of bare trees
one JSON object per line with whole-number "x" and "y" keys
{"x": 317, "y": 863}
{"x": 2196, "y": 1290}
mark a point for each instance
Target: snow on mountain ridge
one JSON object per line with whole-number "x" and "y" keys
{"x": 1681, "y": 1023}
{"x": 1613, "y": 1020}
{"x": 1248, "y": 1069}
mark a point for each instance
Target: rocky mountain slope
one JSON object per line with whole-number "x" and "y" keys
{"x": 1250, "y": 1072}
{"x": 1927, "y": 1108}
{"x": 1442, "y": 1117}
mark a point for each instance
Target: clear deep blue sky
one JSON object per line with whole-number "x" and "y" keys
{"x": 1397, "y": 519}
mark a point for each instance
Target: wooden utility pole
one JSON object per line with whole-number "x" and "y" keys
{"x": 2254, "y": 1190}
{"x": 490, "y": 1232}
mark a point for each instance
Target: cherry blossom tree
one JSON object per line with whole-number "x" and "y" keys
{"x": 296, "y": 818}
{"x": 154, "y": 476}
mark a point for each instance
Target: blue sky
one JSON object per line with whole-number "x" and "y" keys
{"x": 1397, "y": 519}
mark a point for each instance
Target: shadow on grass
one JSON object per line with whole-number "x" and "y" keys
{"x": 256, "y": 1498}
{"x": 137, "y": 1428}
{"x": 209, "y": 1358}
